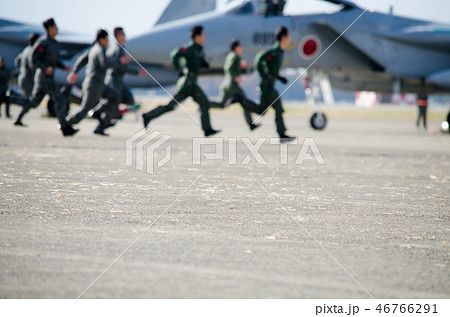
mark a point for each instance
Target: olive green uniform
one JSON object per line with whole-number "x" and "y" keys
{"x": 268, "y": 63}
{"x": 94, "y": 87}
{"x": 230, "y": 89}
{"x": 194, "y": 58}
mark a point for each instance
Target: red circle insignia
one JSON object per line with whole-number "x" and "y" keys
{"x": 309, "y": 47}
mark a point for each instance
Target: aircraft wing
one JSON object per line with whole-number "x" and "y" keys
{"x": 350, "y": 49}
{"x": 14, "y": 37}
{"x": 431, "y": 36}
{"x": 17, "y": 33}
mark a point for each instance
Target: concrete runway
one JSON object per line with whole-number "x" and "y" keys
{"x": 373, "y": 221}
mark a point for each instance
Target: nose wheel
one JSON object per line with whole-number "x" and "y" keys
{"x": 318, "y": 121}
{"x": 317, "y": 83}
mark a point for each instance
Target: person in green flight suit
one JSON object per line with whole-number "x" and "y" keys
{"x": 187, "y": 86}
{"x": 268, "y": 63}
{"x": 230, "y": 91}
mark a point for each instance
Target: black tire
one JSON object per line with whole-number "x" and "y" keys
{"x": 318, "y": 121}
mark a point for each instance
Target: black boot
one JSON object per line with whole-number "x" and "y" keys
{"x": 254, "y": 126}
{"x": 67, "y": 130}
{"x": 18, "y": 121}
{"x": 19, "y": 124}
{"x": 70, "y": 131}
{"x": 100, "y": 131}
{"x": 146, "y": 119}
{"x": 210, "y": 132}
{"x": 286, "y": 138}
{"x": 102, "y": 125}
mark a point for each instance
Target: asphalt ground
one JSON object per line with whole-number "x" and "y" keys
{"x": 371, "y": 222}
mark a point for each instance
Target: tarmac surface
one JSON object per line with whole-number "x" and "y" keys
{"x": 372, "y": 222}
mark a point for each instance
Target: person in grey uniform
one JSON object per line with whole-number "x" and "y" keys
{"x": 23, "y": 63}
{"x": 5, "y": 74}
{"x": 45, "y": 58}
{"x": 114, "y": 80}
{"x": 94, "y": 87}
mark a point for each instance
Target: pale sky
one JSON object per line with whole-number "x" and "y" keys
{"x": 137, "y": 16}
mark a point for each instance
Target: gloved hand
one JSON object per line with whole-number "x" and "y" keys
{"x": 180, "y": 73}
{"x": 205, "y": 64}
{"x": 282, "y": 79}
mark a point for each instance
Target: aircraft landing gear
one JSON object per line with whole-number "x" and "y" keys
{"x": 318, "y": 120}
{"x": 316, "y": 83}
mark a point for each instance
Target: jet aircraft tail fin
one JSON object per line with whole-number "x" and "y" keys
{"x": 178, "y": 9}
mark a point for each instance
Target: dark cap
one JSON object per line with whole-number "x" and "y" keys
{"x": 48, "y": 23}
{"x": 33, "y": 38}
{"x": 196, "y": 31}
{"x": 118, "y": 30}
{"x": 234, "y": 44}
{"x": 281, "y": 32}
{"x": 101, "y": 34}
